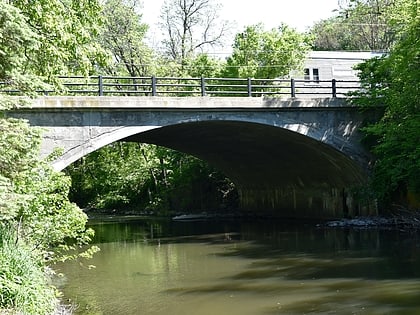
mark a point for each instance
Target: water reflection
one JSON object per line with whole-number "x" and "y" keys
{"x": 242, "y": 267}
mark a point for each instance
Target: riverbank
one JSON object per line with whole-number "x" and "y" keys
{"x": 403, "y": 220}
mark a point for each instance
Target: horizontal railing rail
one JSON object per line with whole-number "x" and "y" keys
{"x": 174, "y": 86}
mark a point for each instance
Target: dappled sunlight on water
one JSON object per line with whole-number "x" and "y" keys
{"x": 246, "y": 268}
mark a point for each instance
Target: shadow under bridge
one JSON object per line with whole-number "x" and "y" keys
{"x": 276, "y": 171}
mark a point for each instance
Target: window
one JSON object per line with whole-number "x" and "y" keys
{"x": 306, "y": 75}
{"x": 311, "y": 74}
{"x": 315, "y": 75}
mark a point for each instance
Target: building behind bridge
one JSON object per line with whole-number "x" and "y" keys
{"x": 321, "y": 67}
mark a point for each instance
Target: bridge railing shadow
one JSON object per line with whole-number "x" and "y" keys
{"x": 180, "y": 87}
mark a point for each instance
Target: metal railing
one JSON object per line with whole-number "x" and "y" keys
{"x": 173, "y": 86}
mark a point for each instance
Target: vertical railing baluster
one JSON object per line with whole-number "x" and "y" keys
{"x": 100, "y": 86}
{"x": 203, "y": 86}
{"x": 292, "y": 88}
{"x": 249, "y": 85}
{"x": 334, "y": 88}
{"x": 153, "y": 86}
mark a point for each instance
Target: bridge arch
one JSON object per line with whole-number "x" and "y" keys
{"x": 99, "y": 136}
{"x": 90, "y": 145}
{"x": 288, "y": 157}
{"x": 268, "y": 164}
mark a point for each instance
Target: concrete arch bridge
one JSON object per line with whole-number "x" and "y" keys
{"x": 289, "y": 157}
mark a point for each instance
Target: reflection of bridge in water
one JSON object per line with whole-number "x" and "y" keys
{"x": 295, "y": 157}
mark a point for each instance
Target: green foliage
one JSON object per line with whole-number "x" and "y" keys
{"x": 110, "y": 176}
{"x": 393, "y": 82}
{"x": 64, "y": 30}
{"x": 17, "y": 41}
{"x": 37, "y": 221}
{"x": 35, "y": 195}
{"x": 204, "y": 66}
{"x": 24, "y": 286}
{"x": 267, "y": 54}
{"x": 145, "y": 177}
{"x": 123, "y": 35}
{"x": 17, "y": 155}
{"x": 32, "y": 193}
{"x": 363, "y": 25}
{"x": 38, "y": 40}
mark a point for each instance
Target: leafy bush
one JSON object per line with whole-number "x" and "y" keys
{"x": 24, "y": 286}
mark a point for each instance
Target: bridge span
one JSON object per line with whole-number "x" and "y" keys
{"x": 289, "y": 157}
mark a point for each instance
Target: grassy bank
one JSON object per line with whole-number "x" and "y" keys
{"x": 24, "y": 280}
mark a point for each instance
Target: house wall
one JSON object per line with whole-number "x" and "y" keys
{"x": 329, "y": 65}
{"x": 336, "y": 64}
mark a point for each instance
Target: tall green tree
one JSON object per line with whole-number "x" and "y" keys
{"x": 37, "y": 220}
{"x": 394, "y": 82}
{"x": 123, "y": 35}
{"x": 258, "y": 53}
{"x": 65, "y": 30}
{"x": 362, "y": 25}
{"x": 17, "y": 41}
{"x": 32, "y": 193}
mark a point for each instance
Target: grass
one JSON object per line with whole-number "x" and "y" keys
{"x": 24, "y": 282}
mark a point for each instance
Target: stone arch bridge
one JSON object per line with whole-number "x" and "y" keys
{"x": 288, "y": 157}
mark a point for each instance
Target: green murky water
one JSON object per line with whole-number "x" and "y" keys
{"x": 244, "y": 267}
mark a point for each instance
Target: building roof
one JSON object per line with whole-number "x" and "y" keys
{"x": 350, "y": 55}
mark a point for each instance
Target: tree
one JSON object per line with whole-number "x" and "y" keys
{"x": 362, "y": 25}
{"x": 32, "y": 193}
{"x": 267, "y": 54}
{"x": 65, "y": 30}
{"x": 142, "y": 177}
{"x": 190, "y": 26}
{"x": 123, "y": 35}
{"x": 17, "y": 40}
{"x": 393, "y": 82}
{"x": 204, "y": 66}
{"x": 37, "y": 221}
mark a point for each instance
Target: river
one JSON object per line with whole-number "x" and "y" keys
{"x": 244, "y": 267}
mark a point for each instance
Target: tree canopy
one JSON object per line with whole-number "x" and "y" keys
{"x": 123, "y": 34}
{"x": 38, "y": 223}
{"x": 65, "y": 32}
{"x": 258, "y": 53}
{"x": 362, "y": 25}
{"x": 394, "y": 82}
{"x": 17, "y": 40}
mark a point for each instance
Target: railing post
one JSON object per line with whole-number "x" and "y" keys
{"x": 153, "y": 86}
{"x": 100, "y": 86}
{"x": 249, "y": 86}
{"x": 292, "y": 88}
{"x": 203, "y": 86}
{"x": 334, "y": 87}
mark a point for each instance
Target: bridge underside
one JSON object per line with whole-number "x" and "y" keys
{"x": 276, "y": 171}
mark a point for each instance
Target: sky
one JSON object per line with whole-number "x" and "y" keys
{"x": 300, "y": 14}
